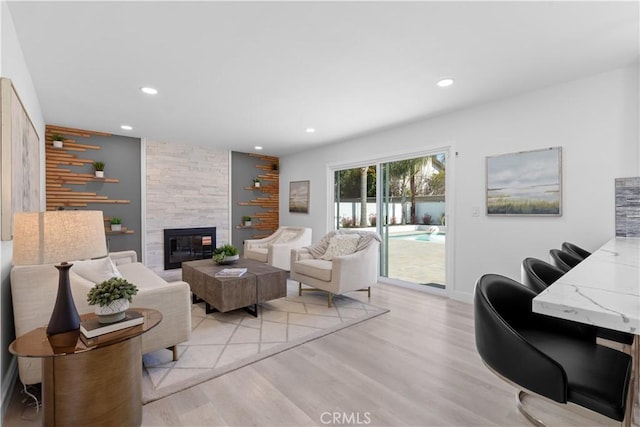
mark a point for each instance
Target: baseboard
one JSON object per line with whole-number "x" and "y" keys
{"x": 8, "y": 382}
{"x": 462, "y": 296}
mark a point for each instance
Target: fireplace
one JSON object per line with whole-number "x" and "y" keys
{"x": 187, "y": 244}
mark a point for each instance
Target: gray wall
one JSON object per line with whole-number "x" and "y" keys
{"x": 121, "y": 155}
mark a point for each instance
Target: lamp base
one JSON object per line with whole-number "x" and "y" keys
{"x": 63, "y": 330}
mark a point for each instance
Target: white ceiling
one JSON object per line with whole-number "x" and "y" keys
{"x": 239, "y": 74}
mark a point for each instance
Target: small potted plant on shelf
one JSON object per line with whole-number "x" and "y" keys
{"x": 246, "y": 220}
{"x": 112, "y": 298}
{"x": 57, "y": 140}
{"x": 226, "y": 254}
{"x": 116, "y": 224}
{"x": 256, "y": 182}
{"x": 98, "y": 167}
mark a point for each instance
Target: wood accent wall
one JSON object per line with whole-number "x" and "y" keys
{"x": 61, "y": 172}
{"x": 268, "y": 197}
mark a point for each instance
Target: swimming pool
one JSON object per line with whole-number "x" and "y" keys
{"x": 423, "y": 237}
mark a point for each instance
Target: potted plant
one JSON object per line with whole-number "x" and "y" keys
{"x": 426, "y": 219}
{"x": 57, "y": 140}
{"x": 226, "y": 254}
{"x": 116, "y": 224}
{"x": 112, "y": 298}
{"x": 246, "y": 220}
{"x": 98, "y": 167}
{"x": 256, "y": 182}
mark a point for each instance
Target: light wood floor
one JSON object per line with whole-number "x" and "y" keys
{"x": 414, "y": 366}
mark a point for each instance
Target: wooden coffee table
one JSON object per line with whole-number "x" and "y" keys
{"x": 261, "y": 282}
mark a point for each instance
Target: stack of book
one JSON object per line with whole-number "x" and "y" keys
{"x": 92, "y": 332}
{"x": 231, "y": 272}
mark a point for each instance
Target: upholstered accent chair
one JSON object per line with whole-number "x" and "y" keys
{"x": 550, "y": 357}
{"x": 343, "y": 261}
{"x": 276, "y": 248}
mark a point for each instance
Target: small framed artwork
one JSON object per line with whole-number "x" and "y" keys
{"x": 528, "y": 183}
{"x": 299, "y": 196}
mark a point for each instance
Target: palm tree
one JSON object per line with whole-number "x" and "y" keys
{"x": 406, "y": 172}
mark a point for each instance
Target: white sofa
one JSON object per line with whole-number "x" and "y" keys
{"x": 276, "y": 248}
{"x": 34, "y": 288}
{"x": 340, "y": 273}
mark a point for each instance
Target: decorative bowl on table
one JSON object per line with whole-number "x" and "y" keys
{"x": 226, "y": 254}
{"x": 228, "y": 259}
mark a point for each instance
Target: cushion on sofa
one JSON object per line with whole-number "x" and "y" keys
{"x": 317, "y": 268}
{"x": 141, "y": 276}
{"x": 96, "y": 270}
{"x": 341, "y": 244}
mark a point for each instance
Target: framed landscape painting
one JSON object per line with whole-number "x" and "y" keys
{"x": 528, "y": 183}
{"x": 299, "y": 196}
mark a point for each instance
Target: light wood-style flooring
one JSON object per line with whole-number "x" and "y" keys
{"x": 414, "y": 366}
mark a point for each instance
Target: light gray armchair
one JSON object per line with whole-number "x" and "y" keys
{"x": 276, "y": 248}
{"x": 336, "y": 266}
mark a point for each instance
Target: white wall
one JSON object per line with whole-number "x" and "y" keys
{"x": 594, "y": 120}
{"x": 13, "y": 66}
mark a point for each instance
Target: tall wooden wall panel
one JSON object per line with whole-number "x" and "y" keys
{"x": 269, "y": 196}
{"x": 61, "y": 170}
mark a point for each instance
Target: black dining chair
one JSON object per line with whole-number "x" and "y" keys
{"x": 563, "y": 260}
{"x": 575, "y": 250}
{"x": 537, "y": 275}
{"x": 550, "y": 357}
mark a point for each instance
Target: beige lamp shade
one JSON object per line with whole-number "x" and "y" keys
{"x": 58, "y": 236}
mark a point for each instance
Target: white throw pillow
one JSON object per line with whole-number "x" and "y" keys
{"x": 341, "y": 244}
{"x": 96, "y": 270}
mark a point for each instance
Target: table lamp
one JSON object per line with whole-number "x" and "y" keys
{"x": 58, "y": 237}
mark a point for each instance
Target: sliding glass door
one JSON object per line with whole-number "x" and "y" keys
{"x": 413, "y": 225}
{"x": 404, "y": 200}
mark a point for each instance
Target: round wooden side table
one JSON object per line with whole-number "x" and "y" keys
{"x": 98, "y": 385}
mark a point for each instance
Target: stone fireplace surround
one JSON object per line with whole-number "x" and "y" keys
{"x": 187, "y": 186}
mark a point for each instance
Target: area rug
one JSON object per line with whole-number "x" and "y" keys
{"x": 223, "y": 342}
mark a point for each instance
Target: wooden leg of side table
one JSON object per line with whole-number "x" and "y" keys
{"x": 100, "y": 387}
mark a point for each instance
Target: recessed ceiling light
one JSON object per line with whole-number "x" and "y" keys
{"x": 126, "y": 127}
{"x": 149, "y": 90}
{"x": 257, "y": 147}
{"x": 445, "y": 82}
{"x": 310, "y": 130}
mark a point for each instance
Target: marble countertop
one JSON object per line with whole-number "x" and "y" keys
{"x": 603, "y": 290}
